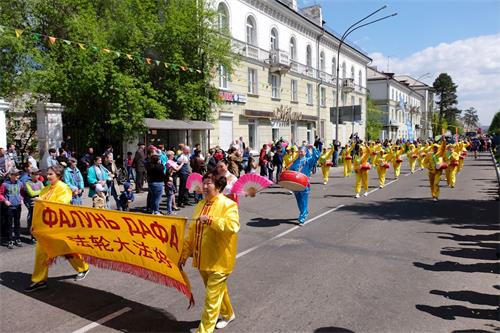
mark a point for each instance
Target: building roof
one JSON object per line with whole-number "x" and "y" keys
{"x": 175, "y": 124}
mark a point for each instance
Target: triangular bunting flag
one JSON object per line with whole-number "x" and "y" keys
{"x": 37, "y": 37}
{"x": 183, "y": 68}
{"x": 148, "y": 61}
{"x": 157, "y": 62}
{"x": 166, "y": 65}
{"x": 52, "y": 40}
{"x": 118, "y": 54}
{"x": 19, "y": 32}
{"x": 106, "y": 50}
{"x": 82, "y": 46}
{"x": 94, "y": 48}
{"x": 198, "y": 71}
{"x": 129, "y": 56}
{"x": 1, "y": 29}
{"x": 174, "y": 67}
{"x": 67, "y": 42}
{"x": 191, "y": 70}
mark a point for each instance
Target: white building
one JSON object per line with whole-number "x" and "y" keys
{"x": 400, "y": 104}
{"x": 284, "y": 84}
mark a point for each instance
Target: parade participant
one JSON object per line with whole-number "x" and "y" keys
{"x": 431, "y": 161}
{"x": 347, "y": 158}
{"x": 397, "y": 151}
{"x": 463, "y": 153}
{"x": 361, "y": 168}
{"x": 33, "y": 188}
{"x": 214, "y": 234}
{"x": 290, "y": 156}
{"x": 452, "y": 158}
{"x": 304, "y": 164}
{"x": 412, "y": 156}
{"x": 223, "y": 171}
{"x": 11, "y": 198}
{"x": 422, "y": 152}
{"x": 380, "y": 161}
{"x": 325, "y": 162}
{"x": 57, "y": 192}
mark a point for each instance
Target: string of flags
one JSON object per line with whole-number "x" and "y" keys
{"x": 51, "y": 40}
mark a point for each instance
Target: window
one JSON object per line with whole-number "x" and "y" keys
{"x": 322, "y": 61}
{"x": 293, "y": 49}
{"x": 294, "y": 90}
{"x": 251, "y": 133}
{"x": 352, "y": 100}
{"x": 309, "y": 133}
{"x": 308, "y": 56}
{"x": 276, "y": 133}
{"x": 275, "y": 84}
{"x": 360, "y": 78}
{"x": 322, "y": 96}
{"x": 344, "y": 70}
{"x": 334, "y": 67}
{"x": 251, "y": 31}
{"x": 310, "y": 94}
{"x": 252, "y": 81}
{"x": 352, "y": 72}
{"x": 222, "y": 17}
{"x": 392, "y": 94}
{"x": 274, "y": 39}
{"x": 223, "y": 77}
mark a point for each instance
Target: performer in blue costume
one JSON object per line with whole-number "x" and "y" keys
{"x": 304, "y": 164}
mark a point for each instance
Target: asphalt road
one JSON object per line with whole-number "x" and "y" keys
{"x": 394, "y": 261}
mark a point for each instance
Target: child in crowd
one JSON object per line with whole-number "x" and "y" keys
{"x": 33, "y": 187}
{"x": 170, "y": 192}
{"x": 11, "y": 197}
{"x": 126, "y": 197}
{"x": 129, "y": 163}
{"x": 99, "y": 198}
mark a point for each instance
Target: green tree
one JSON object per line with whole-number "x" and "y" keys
{"x": 495, "y": 124}
{"x": 106, "y": 94}
{"x": 470, "y": 119}
{"x": 446, "y": 91}
{"x": 373, "y": 120}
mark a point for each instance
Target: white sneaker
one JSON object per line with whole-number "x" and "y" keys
{"x": 357, "y": 195}
{"x": 435, "y": 199}
{"x": 223, "y": 323}
{"x": 365, "y": 194}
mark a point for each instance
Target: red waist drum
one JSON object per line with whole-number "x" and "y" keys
{"x": 414, "y": 156}
{"x": 365, "y": 166}
{"x": 441, "y": 166}
{"x": 386, "y": 165}
{"x": 399, "y": 160}
{"x": 293, "y": 180}
{"x": 329, "y": 163}
{"x": 423, "y": 154}
{"x": 454, "y": 163}
{"x": 348, "y": 158}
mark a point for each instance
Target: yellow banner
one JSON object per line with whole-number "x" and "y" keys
{"x": 148, "y": 246}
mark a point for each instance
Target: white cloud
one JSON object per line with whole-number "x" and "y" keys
{"x": 473, "y": 64}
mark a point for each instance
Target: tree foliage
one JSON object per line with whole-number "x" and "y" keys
{"x": 470, "y": 119}
{"x": 446, "y": 91}
{"x": 107, "y": 95}
{"x": 494, "y": 128}
{"x": 373, "y": 120}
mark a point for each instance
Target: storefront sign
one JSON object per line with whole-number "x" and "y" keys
{"x": 285, "y": 114}
{"x": 232, "y": 97}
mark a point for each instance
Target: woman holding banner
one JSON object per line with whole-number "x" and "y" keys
{"x": 57, "y": 192}
{"x": 214, "y": 233}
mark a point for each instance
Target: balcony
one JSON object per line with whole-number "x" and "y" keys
{"x": 279, "y": 61}
{"x": 348, "y": 85}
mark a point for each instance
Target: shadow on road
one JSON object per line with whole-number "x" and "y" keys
{"x": 450, "y": 312}
{"x": 450, "y": 266}
{"x": 86, "y": 303}
{"x": 266, "y": 223}
{"x": 332, "y": 329}
{"x": 469, "y": 296}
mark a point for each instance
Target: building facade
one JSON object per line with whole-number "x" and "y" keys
{"x": 401, "y": 106}
{"x": 284, "y": 83}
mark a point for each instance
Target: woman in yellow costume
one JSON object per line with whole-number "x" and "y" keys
{"x": 380, "y": 161}
{"x": 462, "y": 150}
{"x": 432, "y": 162}
{"x": 325, "y": 161}
{"x": 422, "y": 153}
{"x": 361, "y": 168}
{"x": 397, "y": 151}
{"x": 212, "y": 241}
{"x": 290, "y": 156}
{"x": 452, "y": 158}
{"x": 412, "y": 156}
{"x": 57, "y": 192}
{"x": 347, "y": 158}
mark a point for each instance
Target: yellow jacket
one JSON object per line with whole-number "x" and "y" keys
{"x": 213, "y": 245}
{"x": 326, "y": 156}
{"x": 58, "y": 192}
{"x": 289, "y": 158}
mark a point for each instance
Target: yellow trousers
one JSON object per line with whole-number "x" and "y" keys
{"x": 326, "y": 172}
{"x": 381, "y": 175}
{"x": 412, "y": 162}
{"x": 421, "y": 162}
{"x": 41, "y": 269}
{"x": 460, "y": 164}
{"x": 451, "y": 175}
{"x": 347, "y": 168}
{"x": 434, "y": 179}
{"x": 216, "y": 300}
{"x": 361, "y": 179}
{"x": 397, "y": 169}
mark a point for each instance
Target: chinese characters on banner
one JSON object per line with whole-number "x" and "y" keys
{"x": 148, "y": 246}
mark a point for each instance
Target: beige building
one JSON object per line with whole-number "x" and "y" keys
{"x": 284, "y": 84}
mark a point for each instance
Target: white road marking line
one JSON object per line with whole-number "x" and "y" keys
{"x": 102, "y": 320}
{"x": 253, "y": 248}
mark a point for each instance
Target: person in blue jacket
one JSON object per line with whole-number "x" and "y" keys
{"x": 74, "y": 179}
{"x": 97, "y": 174}
{"x": 304, "y": 164}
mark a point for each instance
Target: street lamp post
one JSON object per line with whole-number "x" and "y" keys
{"x": 351, "y": 29}
{"x": 425, "y": 102}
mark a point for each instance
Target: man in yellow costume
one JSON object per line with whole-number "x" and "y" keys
{"x": 361, "y": 168}
{"x": 433, "y": 161}
{"x": 325, "y": 161}
{"x": 57, "y": 192}
{"x": 347, "y": 158}
{"x": 212, "y": 241}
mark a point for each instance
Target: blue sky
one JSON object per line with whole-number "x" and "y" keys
{"x": 430, "y": 36}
